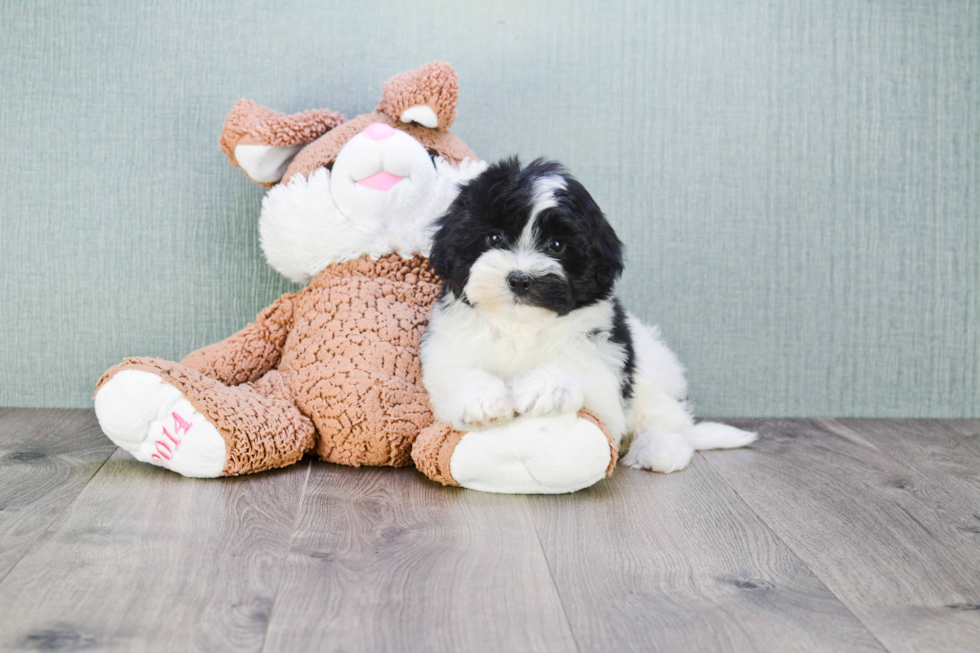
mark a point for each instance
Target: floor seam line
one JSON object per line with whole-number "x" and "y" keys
{"x": 551, "y": 575}
{"x": 795, "y": 554}
{"x": 285, "y": 556}
{"x": 55, "y": 518}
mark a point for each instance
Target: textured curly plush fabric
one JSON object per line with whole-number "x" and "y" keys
{"x": 251, "y": 124}
{"x": 351, "y": 358}
{"x": 333, "y": 368}
{"x": 434, "y": 85}
{"x": 251, "y": 352}
{"x": 613, "y": 448}
{"x": 433, "y": 451}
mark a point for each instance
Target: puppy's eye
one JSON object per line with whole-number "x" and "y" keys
{"x": 495, "y": 239}
{"x": 556, "y": 246}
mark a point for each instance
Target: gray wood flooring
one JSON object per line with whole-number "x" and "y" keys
{"x": 826, "y": 535}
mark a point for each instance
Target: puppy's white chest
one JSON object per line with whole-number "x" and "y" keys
{"x": 511, "y": 351}
{"x": 512, "y": 354}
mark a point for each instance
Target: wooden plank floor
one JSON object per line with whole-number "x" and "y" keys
{"x": 826, "y": 535}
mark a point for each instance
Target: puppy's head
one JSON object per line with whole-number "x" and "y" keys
{"x": 526, "y": 243}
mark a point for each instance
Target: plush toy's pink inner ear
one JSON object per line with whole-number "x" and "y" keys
{"x": 265, "y": 163}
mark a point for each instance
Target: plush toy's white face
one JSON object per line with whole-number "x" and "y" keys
{"x": 381, "y": 196}
{"x": 379, "y": 173}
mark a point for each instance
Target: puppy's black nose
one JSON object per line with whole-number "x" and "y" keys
{"x": 519, "y": 282}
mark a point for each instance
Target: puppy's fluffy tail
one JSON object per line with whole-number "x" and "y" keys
{"x": 713, "y": 435}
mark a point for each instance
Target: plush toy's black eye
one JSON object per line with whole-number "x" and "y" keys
{"x": 556, "y": 246}
{"x": 495, "y": 239}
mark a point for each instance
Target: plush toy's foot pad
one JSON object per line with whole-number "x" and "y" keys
{"x": 152, "y": 420}
{"x": 529, "y": 455}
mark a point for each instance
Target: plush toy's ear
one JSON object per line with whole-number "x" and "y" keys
{"x": 262, "y": 142}
{"x": 426, "y": 95}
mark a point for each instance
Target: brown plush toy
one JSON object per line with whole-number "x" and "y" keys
{"x": 333, "y": 368}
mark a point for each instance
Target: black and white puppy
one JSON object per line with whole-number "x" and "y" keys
{"x": 528, "y": 323}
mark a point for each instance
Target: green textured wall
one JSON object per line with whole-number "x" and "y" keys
{"x": 797, "y": 182}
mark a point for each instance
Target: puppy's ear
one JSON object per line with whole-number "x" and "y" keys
{"x": 607, "y": 249}
{"x": 262, "y": 142}
{"x": 443, "y": 251}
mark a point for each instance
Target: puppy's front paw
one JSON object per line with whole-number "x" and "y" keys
{"x": 547, "y": 391}
{"x": 483, "y": 405}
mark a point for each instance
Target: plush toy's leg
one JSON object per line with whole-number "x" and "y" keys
{"x": 529, "y": 455}
{"x": 369, "y": 417}
{"x": 173, "y": 416}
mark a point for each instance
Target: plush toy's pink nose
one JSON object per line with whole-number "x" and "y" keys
{"x": 379, "y": 131}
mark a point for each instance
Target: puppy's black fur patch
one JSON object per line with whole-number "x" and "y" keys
{"x": 500, "y": 200}
{"x": 620, "y": 334}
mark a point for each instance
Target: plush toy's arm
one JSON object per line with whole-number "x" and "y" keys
{"x": 251, "y": 352}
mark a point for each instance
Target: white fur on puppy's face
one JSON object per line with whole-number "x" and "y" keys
{"x": 487, "y": 288}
